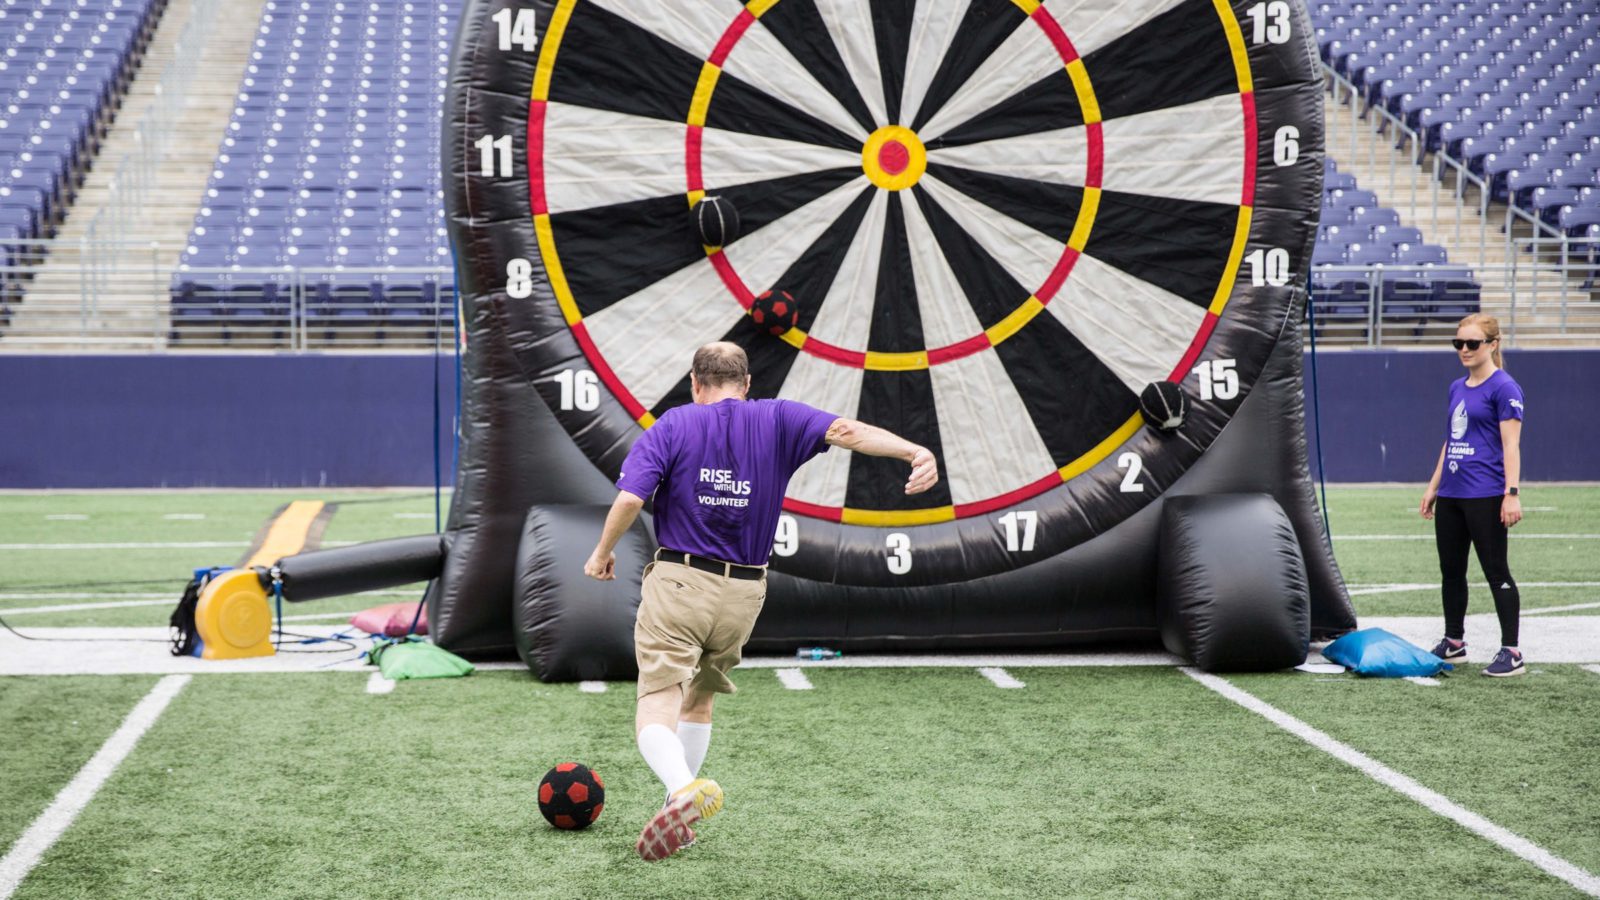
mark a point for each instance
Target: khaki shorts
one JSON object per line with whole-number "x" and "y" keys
{"x": 691, "y": 627}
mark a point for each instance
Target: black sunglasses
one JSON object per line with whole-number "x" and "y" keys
{"x": 1458, "y": 343}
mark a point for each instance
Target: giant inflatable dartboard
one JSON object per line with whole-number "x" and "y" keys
{"x": 1001, "y": 220}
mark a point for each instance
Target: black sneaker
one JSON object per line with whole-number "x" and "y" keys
{"x": 1506, "y": 663}
{"x": 1451, "y": 651}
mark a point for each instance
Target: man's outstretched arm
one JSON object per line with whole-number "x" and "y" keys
{"x": 859, "y": 437}
{"x": 602, "y": 562}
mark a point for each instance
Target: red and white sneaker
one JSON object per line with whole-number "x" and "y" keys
{"x": 669, "y": 831}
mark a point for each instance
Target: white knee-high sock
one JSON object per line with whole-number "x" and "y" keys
{"x": 663, "y": 752}
{"x": 696, "y": 739}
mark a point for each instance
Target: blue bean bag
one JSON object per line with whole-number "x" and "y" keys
{"x": 1381, "y": 654}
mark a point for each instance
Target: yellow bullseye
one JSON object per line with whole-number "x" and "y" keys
{"x": 894, "y": 158}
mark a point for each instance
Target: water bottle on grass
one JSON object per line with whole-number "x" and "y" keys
{"x": 817, "y": 653}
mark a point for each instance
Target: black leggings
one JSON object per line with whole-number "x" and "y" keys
{"x": 1458, "y": 522}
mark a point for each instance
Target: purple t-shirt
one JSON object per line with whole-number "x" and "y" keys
{"x": 1474, "y": 460}
{"x": 719, "y": 472}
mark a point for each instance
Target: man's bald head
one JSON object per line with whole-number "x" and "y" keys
{"x": 721, "y": 363}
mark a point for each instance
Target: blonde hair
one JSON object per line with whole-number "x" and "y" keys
{"x": 1491, "y": 332}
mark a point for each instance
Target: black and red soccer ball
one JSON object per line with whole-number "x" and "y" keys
{"x": 571, "y": 796}
{"x": 775, "y": 312}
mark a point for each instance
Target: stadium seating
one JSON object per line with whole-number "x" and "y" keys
{"x": 1510, "y": 89}
{"x": 64, "y": 67}
{"x": 329, "y": 165}
{"x": 1409, "y": 279}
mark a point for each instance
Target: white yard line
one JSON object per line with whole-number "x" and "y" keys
{"x": 66, "y": 517}
{"x": 54, "y": 821}
{"x": 151, "y": 545}
{"x": 1000, "y": 677}
{"x": 1539, "y": 611}
{"x": 1423, "y": 680}
{"x": 410, "y": 515}
{"x": 132, "y": 545}
{"x": 793, "y": 679}
{"x": 79, "y": 595}
{"x": 1432, "y": 800}
{"x": 1359, "y": 590}
{"x": 74, "y": 607}
{"x": 1594, "y": 669}
{"x": 1428, "y": 537}
{"x": 592, "y": 687}
{"x": 184, "y": 517}
{"x": 378, "y": 684}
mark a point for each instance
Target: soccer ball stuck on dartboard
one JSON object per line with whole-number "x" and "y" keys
{"x": 571, "y": 796}
{"x": 775, "y": 312}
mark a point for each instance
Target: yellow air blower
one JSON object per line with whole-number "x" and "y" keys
{"x": 233, "y": 618}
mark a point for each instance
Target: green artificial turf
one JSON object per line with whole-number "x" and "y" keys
{"x": 50, "y": 727}
{"x": 1393, "y": 511}
{"x": 878, "y": 783}
{"x": 1523, "y": 752}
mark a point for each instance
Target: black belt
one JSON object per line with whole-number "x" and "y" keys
{"x": 705, "y": 564}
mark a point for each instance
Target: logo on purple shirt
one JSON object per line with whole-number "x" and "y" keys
{"x": 719, "y": 472}
{"x": 1474, "y": 455}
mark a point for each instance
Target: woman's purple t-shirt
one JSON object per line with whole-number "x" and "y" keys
{"x": 1474, "y": 459}
{"x": 719, "y": 472}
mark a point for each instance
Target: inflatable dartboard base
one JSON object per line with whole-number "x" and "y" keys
{"x": 1232, "y": 593}
{"x": 568, "y": 626}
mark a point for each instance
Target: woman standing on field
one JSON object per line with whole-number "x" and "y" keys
{"x": 1472, "y": 497}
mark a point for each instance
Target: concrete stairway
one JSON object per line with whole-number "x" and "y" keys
{"x": 89, "y": 295}
{"x": 1525, "y": 293}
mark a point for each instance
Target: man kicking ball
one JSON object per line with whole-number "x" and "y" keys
{"x": 719, "y": 469}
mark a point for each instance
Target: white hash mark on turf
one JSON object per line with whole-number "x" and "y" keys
{"x": 1594, "y": 669}
{"x": 1434, "y": 801}
{"x": 67, "y": 517}
{"x": 56, "y": 818}
{"x": 413, "y": 515}
{"x": 1000, "y": 677}
{"x": 378, "y": 684}
{"x": 592, "y": 687}
{"x": 1423, "y": 680}
{"x": 793, "y": 679}
{"x": 184, "y": 517}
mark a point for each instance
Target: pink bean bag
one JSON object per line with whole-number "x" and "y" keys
{"x": 390, "y": 619}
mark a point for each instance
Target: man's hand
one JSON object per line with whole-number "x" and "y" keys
{"x": 601, "y": 568}
{"x": 924, "y": 471}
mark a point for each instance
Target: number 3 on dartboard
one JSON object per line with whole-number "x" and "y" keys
{"x": 899, "y": 560}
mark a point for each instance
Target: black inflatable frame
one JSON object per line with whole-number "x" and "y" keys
{"x": 1097, "y": 585}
